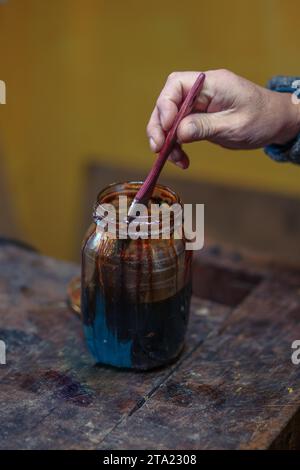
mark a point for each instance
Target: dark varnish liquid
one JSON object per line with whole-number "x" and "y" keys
{"x": 156, "y": 329}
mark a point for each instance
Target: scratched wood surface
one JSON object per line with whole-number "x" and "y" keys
{"x": 233, "y": 387}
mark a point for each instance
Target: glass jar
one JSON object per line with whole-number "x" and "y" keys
{"x": 135, "y": 293}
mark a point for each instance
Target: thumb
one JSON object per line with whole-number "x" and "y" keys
{"x": 199, "y": 126}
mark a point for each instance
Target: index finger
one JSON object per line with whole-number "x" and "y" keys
{"x": 155, "y": 131}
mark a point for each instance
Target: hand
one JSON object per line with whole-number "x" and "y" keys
{"x": 230, "y": 111}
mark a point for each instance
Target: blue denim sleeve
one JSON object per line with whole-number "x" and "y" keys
{"x": 289, "y": 152}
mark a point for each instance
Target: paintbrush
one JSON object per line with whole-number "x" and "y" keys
{"x": 147, "y": 188}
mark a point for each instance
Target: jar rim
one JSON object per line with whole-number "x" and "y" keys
{"x": 130, "y": 188}
{"x": 138, "y": 184}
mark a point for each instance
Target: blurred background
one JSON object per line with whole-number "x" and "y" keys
{"x": 82, "y": 78}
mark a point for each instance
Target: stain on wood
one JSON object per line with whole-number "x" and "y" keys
{"x": 229, "y": 389}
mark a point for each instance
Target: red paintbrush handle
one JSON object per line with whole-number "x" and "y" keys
{"x": 146, "y": 190}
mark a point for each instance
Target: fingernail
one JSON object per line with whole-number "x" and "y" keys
{"x": 152, "y": 144}
{"x": 192, "y": 130}
{"x": 180, "y": 164}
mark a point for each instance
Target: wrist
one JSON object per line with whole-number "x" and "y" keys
{"x": 288, "y": 113}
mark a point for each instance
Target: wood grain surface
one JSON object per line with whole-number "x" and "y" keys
{"x": 233, "y": 387}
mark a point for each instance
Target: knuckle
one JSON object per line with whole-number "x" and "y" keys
{"x": 172, "y": 76}
{"x": 159, "y": 103}
{"x": 225, "y": 72}
{"x": 162, "y": 103}
{"x": 196, "y": 129}
{"x": 205, "y": 128}
{"x": 149, "y": 129}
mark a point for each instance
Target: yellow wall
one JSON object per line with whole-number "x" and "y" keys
{"x": 82, "y": 77}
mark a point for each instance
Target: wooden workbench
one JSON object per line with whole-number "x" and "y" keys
{"x": 233, "y": 387}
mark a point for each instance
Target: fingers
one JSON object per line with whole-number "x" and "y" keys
{"x": 169, "y": 101}
{"x": 216, "y": 96}
{"x": 155, "y": 132}
{"x": 179, "y": 157}
{"x": 167, "y": 105}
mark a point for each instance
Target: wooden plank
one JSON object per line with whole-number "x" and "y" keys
{"x": 225, "y": 276}
{"x": 51, "y": 394}
{"x": 238, "y": 390}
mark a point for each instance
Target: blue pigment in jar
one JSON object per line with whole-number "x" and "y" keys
{"x": 135, "y": 293}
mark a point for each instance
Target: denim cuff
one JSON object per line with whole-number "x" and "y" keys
{"x": 289, "y": 152}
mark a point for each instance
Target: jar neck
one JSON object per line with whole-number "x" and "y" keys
{"x": 158, "y": 226}
{"x": 160, "y": 219}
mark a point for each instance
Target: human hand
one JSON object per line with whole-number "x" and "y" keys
{"x": 230, "y": 111}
